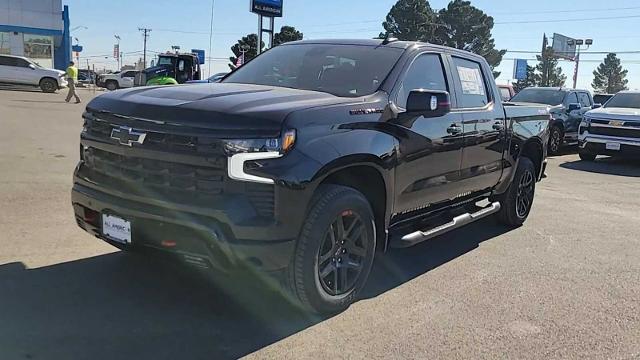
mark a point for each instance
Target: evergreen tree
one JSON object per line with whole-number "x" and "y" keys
{"x": 287, "y": 34}
{"x": 410, "y": 20}
{"x": 609, "y": 77}
{"x": 465, "y": 27}
{"x": 529, "y": 81}
{"x": 548, "y": 73}
{"x": 248, "y": 43}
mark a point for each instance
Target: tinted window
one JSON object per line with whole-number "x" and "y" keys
{"x": 341, "y": 70}
{"x": 129, "y": 74}
{"x": 627, "y": 100}
{"x": 22, "y": 63}
{"x": 572, "y": 99}
{"x": 584, "y": 100}
{"x": 424, "y": 73}
{"x": 601, "y": 98}
{"x": 540, "y": 96}
{"x": 474, "y": 90}
{"x": 7, "y": 61}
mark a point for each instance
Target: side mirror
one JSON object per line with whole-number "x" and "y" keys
{"x": 428, "y": 103}
{"x": 573, "y": 107}
{"x": 32, "y": 67}
{"x": 596, "y": 106}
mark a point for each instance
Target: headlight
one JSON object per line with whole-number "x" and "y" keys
{"x": 586, "y": 122}
{"x": 282, "y": 145}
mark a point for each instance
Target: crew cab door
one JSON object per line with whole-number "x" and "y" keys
{"x": 483, "y": 124}
{"x": 7, "y": 65}
{"x": 127, "y": 78}
{"x": 430, "y": 151}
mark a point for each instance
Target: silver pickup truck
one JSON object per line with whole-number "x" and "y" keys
{"x": 613, "y": 129}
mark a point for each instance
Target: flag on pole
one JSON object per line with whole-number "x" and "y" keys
{"x": 240, "y": 60}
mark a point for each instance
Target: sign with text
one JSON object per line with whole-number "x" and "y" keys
{"x": 270, "y": 8}
{"x": 520, "y": 69}
{"x": 200, "y": 54}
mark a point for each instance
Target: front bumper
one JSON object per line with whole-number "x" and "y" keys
{"x": 596, "y": 144}
{"x": 203, "y": 237}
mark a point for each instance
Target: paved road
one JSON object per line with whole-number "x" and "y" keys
{"x": 566, "y": 285}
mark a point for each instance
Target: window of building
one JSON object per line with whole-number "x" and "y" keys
{"x": 39, "y": 48}
{"x": 5, "y": 43}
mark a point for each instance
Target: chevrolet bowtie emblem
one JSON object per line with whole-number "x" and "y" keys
{"x": 127, "y": 136}
{"x": 616, "y": 123}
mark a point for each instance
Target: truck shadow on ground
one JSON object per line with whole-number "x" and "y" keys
{"x": 607, "y": 165}
{"x": 120, "y": 306}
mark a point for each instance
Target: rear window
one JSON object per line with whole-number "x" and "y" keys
{"x": 540, "y": 96}
{"x": 624, "y": 101}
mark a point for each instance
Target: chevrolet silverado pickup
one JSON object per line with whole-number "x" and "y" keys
{"x": 309, "y": 160}
{"x": 613, "y": 129}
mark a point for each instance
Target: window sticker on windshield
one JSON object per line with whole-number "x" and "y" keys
{"x": 471, "y": 80}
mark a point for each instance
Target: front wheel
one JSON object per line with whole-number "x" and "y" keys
{"x": 112, "y": 85}
{"x": 555, "y": 140}
{"x": 335, "y": 251}
{"x": 516, "y": 203}
{"x": 48, "y": 85}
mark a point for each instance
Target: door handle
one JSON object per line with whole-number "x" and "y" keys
{"x": 454, "y": 129}
{"x": 498, "y": 126}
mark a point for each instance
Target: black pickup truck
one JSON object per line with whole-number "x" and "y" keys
{"x": 308, "y": 160}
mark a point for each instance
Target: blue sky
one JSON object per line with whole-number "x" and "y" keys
{"x": 186, "y": 23}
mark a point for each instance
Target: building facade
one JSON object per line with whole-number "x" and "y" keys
{"x": 37, "y": 29}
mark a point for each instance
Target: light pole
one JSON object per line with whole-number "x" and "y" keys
{"x": 117, "y": 54}
{"x": 578, "y": 44}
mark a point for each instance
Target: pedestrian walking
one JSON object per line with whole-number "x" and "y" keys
{"x": 72, "y": 77}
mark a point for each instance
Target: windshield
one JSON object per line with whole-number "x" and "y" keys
{"x": 163, "y": 60}
{"x": 341, "y": 70}
{"x": 540, "y": 96}
{"x": 624, "y": 101}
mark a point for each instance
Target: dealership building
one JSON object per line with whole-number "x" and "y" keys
{"x": 37, "y": 29}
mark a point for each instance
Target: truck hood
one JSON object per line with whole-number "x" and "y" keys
{"x": 250, "y": 110}
{"x": 627, "y": 114}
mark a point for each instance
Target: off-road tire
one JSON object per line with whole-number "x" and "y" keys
{"x": 329, "y": 202}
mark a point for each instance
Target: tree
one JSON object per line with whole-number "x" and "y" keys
{"x": 410, "y": 20}
{"x": 548, "y": 73}
{"x": 248, "y": 43}
{"x": 463, "y": 26}
{"x": 287, "y": 34}
{"x": 529, "y": 81}
{"x": 609, "y": 77}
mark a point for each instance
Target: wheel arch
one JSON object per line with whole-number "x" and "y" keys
{"x": 533, "y": 149}
{"x": 49, "y": 78}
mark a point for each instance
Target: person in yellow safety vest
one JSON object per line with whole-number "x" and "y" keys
{"x": 72, "y": 77}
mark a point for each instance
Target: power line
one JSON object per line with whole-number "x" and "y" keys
{"x": 564, "y": 11}
{"x": 567, "y": 20}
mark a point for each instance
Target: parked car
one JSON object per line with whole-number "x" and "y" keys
{"x": 601, "y": 98}
{"x": 308, "y": 160}
{"x": 506, "y": 92}
{"x": 567, "y": 106}
{"x": 19, "y": 70}
{"x": 212, "y": 79}
{"x": 171, "y": 69}
{"x": 119, "y": 80}
{"x": 613, "y": 129}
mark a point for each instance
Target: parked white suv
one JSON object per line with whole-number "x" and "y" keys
{"x": 22, "y": 71}
{"x": 119, "y": 80}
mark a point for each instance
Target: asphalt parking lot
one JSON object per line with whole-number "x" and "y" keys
{"x": 565, "y": 285}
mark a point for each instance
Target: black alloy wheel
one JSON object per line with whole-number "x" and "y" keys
{"x": 342, "y": 253}
{"x": 524, "y": 196}
{"x": 555, "y": 140}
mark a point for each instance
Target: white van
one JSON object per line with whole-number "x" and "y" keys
{"x": 22, "y": 71}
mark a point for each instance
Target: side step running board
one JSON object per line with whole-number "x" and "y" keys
{"x": 457, "y": 222}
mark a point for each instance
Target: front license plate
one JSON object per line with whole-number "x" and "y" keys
{"x": 613, "y": 146}
{"x": 116, "y": 229}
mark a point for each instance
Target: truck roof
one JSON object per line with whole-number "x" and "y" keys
{"x": 556, "y": 88}
{"x": 397, "y": 44}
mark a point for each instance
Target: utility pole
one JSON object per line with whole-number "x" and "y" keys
{"x": 578, "y": 43}
{"x": 145, "y": 33}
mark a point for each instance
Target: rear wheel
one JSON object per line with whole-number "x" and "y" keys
{"x": 48, "y": 85}
{"x": 555, "y": 140}
{"x": 516, "y": 203}
{"x": 335, "y": 250}
{"x": 585, "y": 156}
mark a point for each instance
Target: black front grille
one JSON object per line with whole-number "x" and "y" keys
{"x": 156, "y": 173}
{"x": 618, "y": 132}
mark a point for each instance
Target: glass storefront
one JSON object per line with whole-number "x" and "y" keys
{"x": 5, "y": 43}
{"x": 39, "y": 48}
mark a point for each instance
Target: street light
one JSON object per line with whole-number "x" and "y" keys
{"x": 578, "y": 43}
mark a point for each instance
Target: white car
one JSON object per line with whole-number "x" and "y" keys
{"x": 20, "y": 70}
{"x": 119, "y": 80}
{"x": 613, "y": 129}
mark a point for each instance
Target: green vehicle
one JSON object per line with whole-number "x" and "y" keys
{"x": 171, "y": 69}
